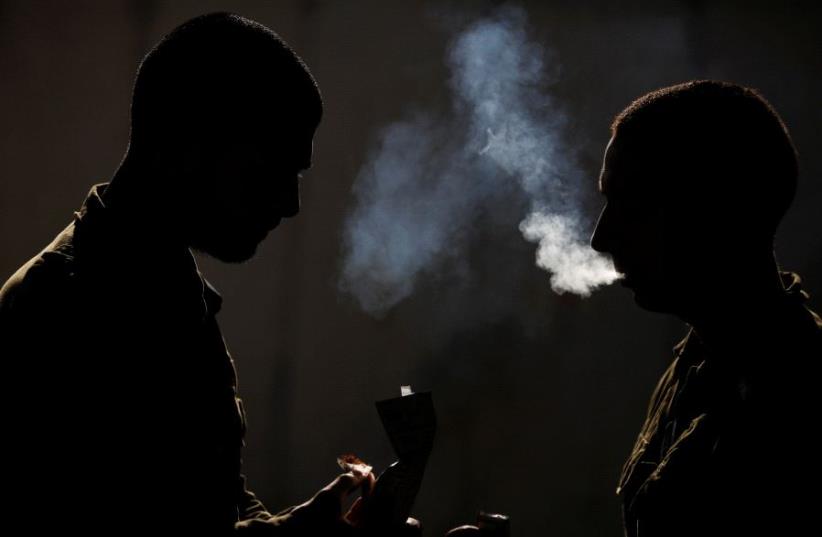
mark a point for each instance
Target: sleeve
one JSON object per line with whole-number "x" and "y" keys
{"x": 251, "y": 509}
{"x": 723, "y": 476}
{"x": 676, "y": 498}
{"x": 248, "y": 505}
{"x": 254, "y": 518}
{"x": 34, "y": 325}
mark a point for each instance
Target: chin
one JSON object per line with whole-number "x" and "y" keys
{"x": 234, "y": 255}
{"x": 229, "y": 252}
{"x": 655, "y": 302}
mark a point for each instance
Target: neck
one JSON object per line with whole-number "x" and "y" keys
{"x": 134, "y": 198}
{"x": 744, "y": 305}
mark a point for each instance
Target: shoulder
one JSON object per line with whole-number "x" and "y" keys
{"x": 42, "y": 281}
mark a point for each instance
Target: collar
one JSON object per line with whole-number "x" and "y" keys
{"x": 787, "y": 313}
{"x": 793, "y": 287}
{"x": 101, "y": 233}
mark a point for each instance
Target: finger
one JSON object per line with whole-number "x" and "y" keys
{"x": 345, "y": 483}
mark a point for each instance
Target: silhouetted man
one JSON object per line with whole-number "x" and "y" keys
{"x": 697, "y": 177}
{"x": 121, "y": 413}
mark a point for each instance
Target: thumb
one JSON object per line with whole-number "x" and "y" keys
{"x": 344, "y": 484}
{"x": 327, "y": 503}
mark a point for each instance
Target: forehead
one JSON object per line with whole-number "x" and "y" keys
{"x": 608, "y": 170}
{"x": 624, "y": 169}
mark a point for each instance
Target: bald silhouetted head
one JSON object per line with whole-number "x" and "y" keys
{"x": 697, "y": 177}
{"x": 223, "y": 116}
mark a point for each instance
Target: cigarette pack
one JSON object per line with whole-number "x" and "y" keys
{"x": 411, "y": 424}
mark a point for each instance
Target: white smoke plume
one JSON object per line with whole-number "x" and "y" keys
{"x": 429, "y": 176}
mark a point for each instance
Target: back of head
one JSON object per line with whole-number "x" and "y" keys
{"x": 219, "y": 74}
{"x": 718, "y": 153}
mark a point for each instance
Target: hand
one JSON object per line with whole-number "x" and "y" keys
{"x": 322, "y": 514}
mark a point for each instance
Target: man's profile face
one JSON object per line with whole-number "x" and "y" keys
{"x": 249, "y": 182}
{"x": 632, "y": 229}
{"x": 676, "y": 243}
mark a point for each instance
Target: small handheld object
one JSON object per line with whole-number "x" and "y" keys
{"x": 411, "y": 424}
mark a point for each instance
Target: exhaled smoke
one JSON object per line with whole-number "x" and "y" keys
{"x": 574, "y": 266}
{"x": 424, "y": 183}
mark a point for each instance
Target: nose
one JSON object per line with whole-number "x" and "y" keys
{"x": 599, "y": 238}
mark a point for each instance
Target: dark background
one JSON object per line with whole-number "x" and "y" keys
{"x": 539, "y": 396}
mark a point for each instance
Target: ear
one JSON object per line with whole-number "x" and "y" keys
{"x": 176, "y": 164}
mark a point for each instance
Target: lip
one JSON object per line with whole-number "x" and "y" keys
{"x": 625, "y": 280}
